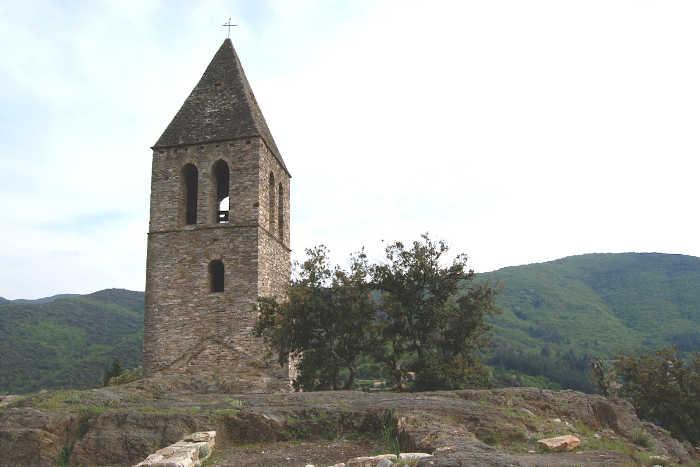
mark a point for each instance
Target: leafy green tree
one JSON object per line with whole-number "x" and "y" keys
{"x": 602, "y": 375}
{"x": 664, "y": 389}
{"x": 325, "y": 318}
{"x": 431, "y": 319}
{"x": 114, "y": 370}
{"x": 419, "y": 319}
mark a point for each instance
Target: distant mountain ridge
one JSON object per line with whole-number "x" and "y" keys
{"x": 68, "y": 340}
{"x": 42, "y": 299}
{"x": 554, "y": 314}
{"x": 598, "y": 304}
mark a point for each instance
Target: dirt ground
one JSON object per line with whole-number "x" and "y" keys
{"x": 294, "y": 453}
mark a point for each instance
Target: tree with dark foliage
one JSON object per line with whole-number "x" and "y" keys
{"x": 325, "y": 318}
{"x": 114, "y": 370}
{"x": 602, "y": 375}
{"x": 412, "y": 314}
{"x": 664, "y": 389}
{"x": 431, "y": 321}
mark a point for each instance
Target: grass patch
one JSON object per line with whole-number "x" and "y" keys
{"x": 55, "y": 400}
{"x": 225, "y": 412}
{"x": 390, "y": 432}
{"x": 191, "y": 410}
{"x": 583, "y": 429}
{"x": 104, "y": 400}
{"x": 231, "y": 408}
{"x": 71, "y": 400}
{"x": 642, "y": 438}
{"x": 63, "y": 459}
{"x": 127, "y": 376}
{"x": 607, "y": 444}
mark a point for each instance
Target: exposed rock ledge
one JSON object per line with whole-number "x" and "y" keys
{"x": 190, "y": 451}
{"x": 122, "y": 425}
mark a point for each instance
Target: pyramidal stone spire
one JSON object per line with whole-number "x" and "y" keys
{"x": 221, "y": 107}
{"x": 218, "y": 238}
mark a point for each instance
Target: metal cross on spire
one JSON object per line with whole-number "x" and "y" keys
{"x": 229, "y": 26}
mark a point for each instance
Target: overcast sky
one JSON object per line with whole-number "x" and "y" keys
{"x": 518, "y": 131}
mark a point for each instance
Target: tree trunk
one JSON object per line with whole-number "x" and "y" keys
{"x": 351, "y": 377}
{"x": 335, "y": 378}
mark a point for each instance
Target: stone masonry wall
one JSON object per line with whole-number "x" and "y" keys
{"x": 274, "y": 264}
{"x": 189, "y": 330}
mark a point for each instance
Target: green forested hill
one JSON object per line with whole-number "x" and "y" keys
{"x": 67, "y": 341}
{"x": 555, "y": 316}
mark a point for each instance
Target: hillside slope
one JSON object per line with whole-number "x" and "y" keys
{"x": 69, "y": 340}
{"x": 597, "y": 304}
{"x": 555, "y": 316}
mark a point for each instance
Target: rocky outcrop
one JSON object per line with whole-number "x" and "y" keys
{"x": 127, "y": 437}
{"x": 190, "y": 451}
{"x": 33, "y": 437}
{"x": 28, "y": 447}
{"x": 123, "y": 425}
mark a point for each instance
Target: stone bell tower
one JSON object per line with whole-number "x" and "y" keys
{"x": 218, "y": 236}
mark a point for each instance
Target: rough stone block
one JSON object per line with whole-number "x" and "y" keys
{"x": 560, "y": 443}
{"x": 191, "y": 451}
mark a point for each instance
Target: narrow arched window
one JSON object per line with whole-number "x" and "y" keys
{"x": 280, "y": 211}
{"x": 220, "y": 195}
{"x": 189, "y": 185}
{"x": 271, "y": 208}
{"x": 216, "y": 276}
